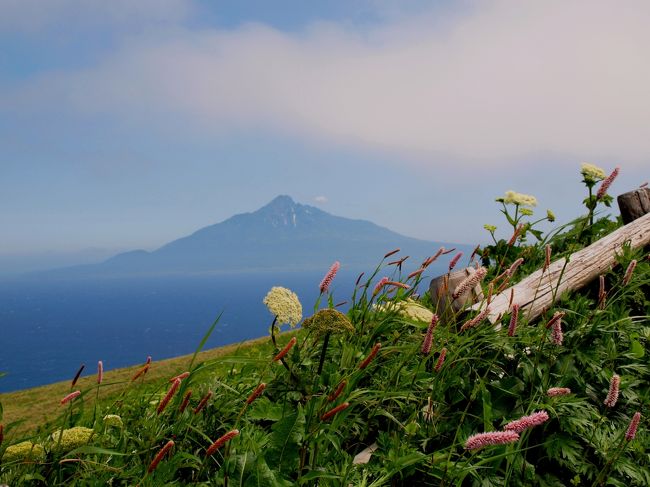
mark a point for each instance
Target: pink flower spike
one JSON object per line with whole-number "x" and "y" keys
{"x": 612, "y": 395}
{"x": 469, "y": 282}
{"x": 547, "y": 256}
{"x": 527, "y": 422}
{"x": 182, "y": 376}
{"x": 558, "y": 391}
{"x": 441, "y": 360}
{"x": 220, "y": 442}
{"x": 556, "y": 317}
{"x": 70, "y": 397}
{"x": 454, "y": 261}
{"x": 392, "y": 252}
{"x": 607, "y": 182}
{"x": 329, "y": 277}
{"x": 398, "y": 284}
{"x": 476, "y": 320}
{"x": 161, "y": 454}
{"x": 100, "y": 372}
{"x": 629, "y": 271}
{"x": 513, "y": 320}
{"x": 482, "y": 440}
{"x": 415, "y": 273}
{"x": 382, "y": 282}
{"x": 634, "y": 424}
{"x": 428, "y": 338}
{"x": 515, "y": 265}
{"x": 557, "y": 337}
{"x": 170, "y": 393}
{"x": 370, "y": 356}
{"x": 148, "y": 360}
{"x": 286, "y": 349}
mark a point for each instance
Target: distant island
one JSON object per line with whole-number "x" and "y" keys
{"x": 282, "y": 235}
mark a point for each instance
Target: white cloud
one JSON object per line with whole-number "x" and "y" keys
{"x": 321, "y": 200}
{"x": 501, "y": 80}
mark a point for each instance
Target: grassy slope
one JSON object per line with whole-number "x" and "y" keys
{"x": 37, "y": 406}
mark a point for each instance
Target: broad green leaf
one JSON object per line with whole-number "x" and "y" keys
{"x": 285, "y": 441}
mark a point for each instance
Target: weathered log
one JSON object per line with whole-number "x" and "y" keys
{"x": 442, "y": 288}
{"x": 541, "y": 289}
{"x": 634, "y": 204}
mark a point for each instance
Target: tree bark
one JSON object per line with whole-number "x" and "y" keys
{"x": 541, "y": 289}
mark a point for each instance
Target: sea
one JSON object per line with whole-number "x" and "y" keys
{"x": 49, "y": 327}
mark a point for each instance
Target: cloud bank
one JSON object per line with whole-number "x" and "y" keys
{"x": 497, "y": 81}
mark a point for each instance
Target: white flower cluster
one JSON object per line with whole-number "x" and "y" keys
{"x": 284, "y": 304}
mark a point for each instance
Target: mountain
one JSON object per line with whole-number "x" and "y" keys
{"x": 281, "y": 235}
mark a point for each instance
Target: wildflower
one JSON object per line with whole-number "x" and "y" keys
{"x": 520, "y": 199}
{"x": 558, "y": 391}
{"x": 370, "y": 356}
{"x": 431, "y": 259}
{"x": 634, "y": 424}
{"x": 557, "y": 317}
{"x": 382, "y": 282}
{"x": 415, "y": 273}
{"x": 516, "y": 234}
{"x": 607, "y": 182}
{"x": 161, "y": 454}
{"x": 550, "y": 216}
{"x": 441, "y": 360}
{"x": 527, "y": 422}
{"x": 428, "y": 338}
{"x": 628, "y": 272}
{"x": 70, "y": 397}
{"x": 482, "y": 440}
{"x": 186, "y": 401}
{"x": 469, "y": 282}
{"x": 220, "y": 442}
{"x": 170, "y": 393}
{"x": 392, "y": 252}
{"x": 514, "y": 316}
{"x": 182, "y": 376}
{"x": 490, "y": 228}
{"x": 337, "y": 392}
{"x": 24, "y": 451}
{"x": 338, "y": 305}
{"x": 141, "y": 372}
{"x": 399, "y": 262}
{"x": 329, "y": 277}
{"x": 359, "y": 279}
{"x": 334, "y": 411}
{"x": 427, "y": 411}
{"x": 100, "y": 372}
{"x": 476, "y": 320}
{"x": 148, "y": 360}
{"x": 547, "y": 256}
{"x": 68, "y": 440}
{"x": 511, "y": 270}
{"x": 113, "y": 420}
{"x": 203, "y": 402}
{"x": 398, "y": 284}
{"x": 602, "y": 292}
{"x": 256, "y": 393}
{"x": 591, "y": 173}
{"x": 77, "y": 375}
{"x": 612, "y": 395}
{"x": 526, "y": 211}
{"x": 455, "y": 260}
{"x": 328, "y": 321}
{"x": 556, "y": 333}
{"x": 284, "y": 304}
{"x": 285, "y": 350}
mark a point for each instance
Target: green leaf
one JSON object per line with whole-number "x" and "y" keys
{"x": 94, "y": 450}
{"x": 487, "y": 408}
{"x": 264, "y": 409}
{"x": 285, "y": 441}
{"x": 636, "y": 349}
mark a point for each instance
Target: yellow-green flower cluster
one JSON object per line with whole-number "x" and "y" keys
{"x": 526, "y": 211}
{"x": 409, "y": 309}
{"x": 113, "y": 420}
{"x": 24, "y": 451}
{"x": 328, "y": 320}
{"x": 490, "y": 228}
{"x": 550, "y": 216}
{"x": 512, "y": 197}
{"x": 284, "y": 304}
{"x": 592, "y": 173}
{"x": 72, "y": 438}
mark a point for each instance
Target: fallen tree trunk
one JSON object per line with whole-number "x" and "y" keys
{"x": 541, "y": 289}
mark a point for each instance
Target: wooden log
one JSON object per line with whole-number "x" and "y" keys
{"x": 442, "y": 288}
{"x": 634, "y": 204}
{"x": 541, "y": 289}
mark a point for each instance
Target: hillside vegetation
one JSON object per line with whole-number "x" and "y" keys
{"x": 389, "y": 393}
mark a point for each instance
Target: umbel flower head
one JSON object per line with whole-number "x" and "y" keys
{"x": 284, "y": 304}
{"x": 113, "y": 420}
{"x": 328, "y": 321}
{"x": 591, "y": 173}
{"x": 24, "y": 451}
{"x": 72, "y": 438}
{"x": 409, "y": 309}
{"x": 514, "y": 198}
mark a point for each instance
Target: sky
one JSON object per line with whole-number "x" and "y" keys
{"x": 128, "y": 124}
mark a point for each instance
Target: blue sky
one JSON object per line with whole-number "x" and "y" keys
{"x": 127, "y": 124}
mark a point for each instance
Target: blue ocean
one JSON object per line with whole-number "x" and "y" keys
{"x": 48, "y": 328}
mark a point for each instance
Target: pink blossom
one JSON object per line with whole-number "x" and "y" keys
{"x": 327, "y": 280}
{"x": 441, "y": 360}
{"x": 170, "y": 393}
{"x": 515, "y": 265}
{"x": 513, "y": 320}
{"x": 631, "y": 430}
{"x": 527, "y": 422}
{"x": 556, "y": 317}
{"x": 100, "y": 372}
{"x": 556, "y": 333}
{"x": 558, "y": 391}
{"x": 476, "y": 320}
{"x": 455, "y": 260}
{"x": 547, "y": 256}
{"x": 481, "y": 440}
{"x": 382, "y": 282}
{"x": 612, "y": 395}
{"x": 428, "y": 338}
{"x": 469, "y": 282}
{"x": 607, "y": 182}
{"x": 70, "y": 397}
{"x": 629, "y": 271}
